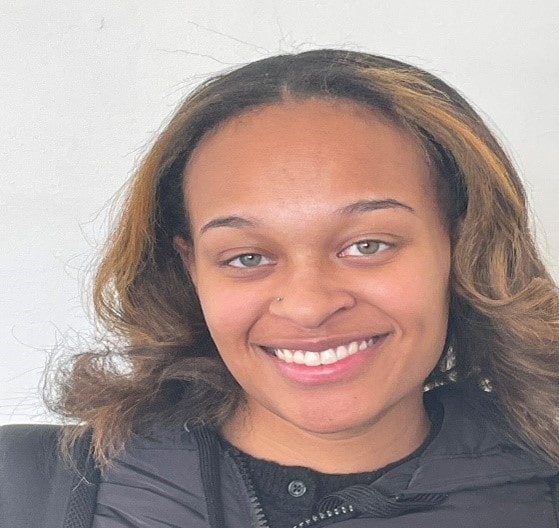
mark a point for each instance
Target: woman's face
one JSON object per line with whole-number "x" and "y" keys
{"x": 321, "y": 261}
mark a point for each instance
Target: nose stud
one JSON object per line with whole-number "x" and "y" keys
{"x": 278, "y": 299}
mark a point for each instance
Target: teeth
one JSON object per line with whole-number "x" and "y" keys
{"x": 342, "y": 352}
{"x": 299, "y": 357}
{"x": 312, "y": 359}
{"x": 326, "y": 357}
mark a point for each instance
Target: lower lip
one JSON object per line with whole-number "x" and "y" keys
{"x": 338, "y": 371}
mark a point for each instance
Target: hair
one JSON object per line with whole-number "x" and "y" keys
{"x": 161, "y": 365}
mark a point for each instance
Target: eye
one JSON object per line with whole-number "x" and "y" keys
{"x": 249, "y": 260}
{"x": 364, "y": 247}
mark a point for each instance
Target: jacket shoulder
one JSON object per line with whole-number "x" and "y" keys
{"x": 36, "y": 482}
{"x": 23, "y": 446}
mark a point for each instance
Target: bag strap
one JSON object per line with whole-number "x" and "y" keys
{"x": 83, "y": 493}
{"x": 554, "y": 486}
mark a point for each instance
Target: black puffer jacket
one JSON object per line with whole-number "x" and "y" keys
{"x": 469, "y": 476}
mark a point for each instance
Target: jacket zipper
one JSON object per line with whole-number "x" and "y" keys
{"x": 328, "y": 514}
{"x": 262, "y": 522}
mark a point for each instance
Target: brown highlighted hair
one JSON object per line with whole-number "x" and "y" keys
{"x": 163, "y": 367}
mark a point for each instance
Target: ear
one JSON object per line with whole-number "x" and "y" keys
{"x": 186, "y": 251}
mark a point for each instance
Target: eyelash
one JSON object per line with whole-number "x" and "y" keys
{"x": 381, "y": 246}
{"x": 239, "y": 257}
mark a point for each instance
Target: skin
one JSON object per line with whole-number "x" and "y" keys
{"x": 278, "y": 183}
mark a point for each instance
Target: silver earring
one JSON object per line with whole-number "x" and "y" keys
{"x": 278, "y": 299}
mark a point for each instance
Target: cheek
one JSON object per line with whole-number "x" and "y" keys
{"x": 415, "y": 296}
{"x": 229, "y": 312}
{"x": 417, "y": 307}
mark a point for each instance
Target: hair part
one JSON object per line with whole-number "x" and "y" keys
{"x": 504, "y": 312}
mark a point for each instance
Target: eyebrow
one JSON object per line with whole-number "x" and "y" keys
{"x": 364, "y": 206}
{"x": 361, "y": 206}
{"x": 228, "y": 221}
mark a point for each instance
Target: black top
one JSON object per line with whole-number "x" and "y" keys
{"x": 288, "y": 494}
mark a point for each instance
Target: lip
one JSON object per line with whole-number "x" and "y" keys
{"x": 318, "y": 344}
{"x": 320, "y": 374}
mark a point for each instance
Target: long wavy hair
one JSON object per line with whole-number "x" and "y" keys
{"x": 160, "y": 364}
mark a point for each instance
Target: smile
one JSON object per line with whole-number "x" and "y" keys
{"x": 325, "y": 357}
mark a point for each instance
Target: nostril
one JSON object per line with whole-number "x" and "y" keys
{"x": 310, "y": 309}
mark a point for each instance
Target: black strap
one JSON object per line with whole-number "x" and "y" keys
{"x": 208, "y": 448}
{"x": 83, "y": 495}
{"x": 554, "y": 486}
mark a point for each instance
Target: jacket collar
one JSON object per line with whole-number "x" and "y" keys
{"x": 471, "y": 450}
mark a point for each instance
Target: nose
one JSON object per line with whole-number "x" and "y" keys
{"x": 308, "y": 298}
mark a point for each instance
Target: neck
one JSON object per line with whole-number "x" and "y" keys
{"x": 371, "y": 446}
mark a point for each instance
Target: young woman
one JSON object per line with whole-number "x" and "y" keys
{"x": 329, "y": 310}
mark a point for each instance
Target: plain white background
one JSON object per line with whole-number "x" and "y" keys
{"x": 85, "y": 86}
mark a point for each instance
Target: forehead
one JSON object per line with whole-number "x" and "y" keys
{"x": 301, "y": 120}
{"x": 300, "y": 152}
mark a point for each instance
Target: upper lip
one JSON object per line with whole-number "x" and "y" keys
{"x": 317, "y": 344}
